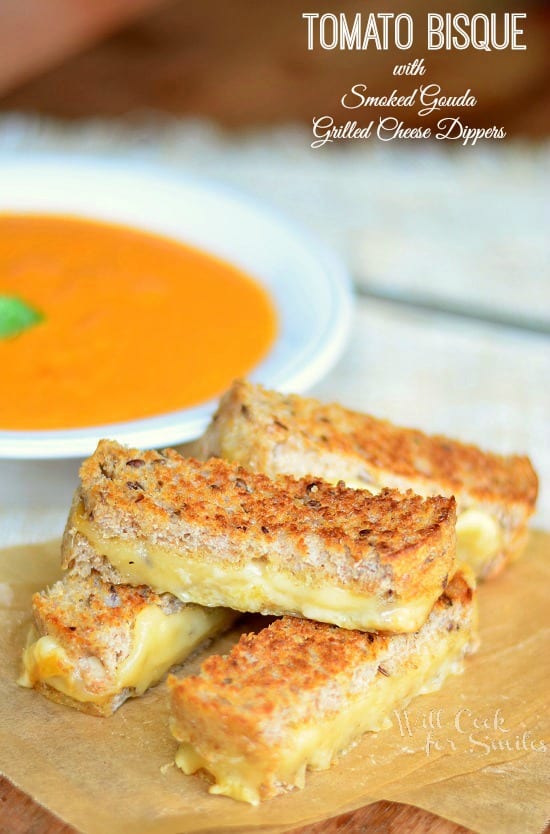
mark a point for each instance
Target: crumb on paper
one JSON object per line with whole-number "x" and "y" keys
{"x": 6, "y": 594}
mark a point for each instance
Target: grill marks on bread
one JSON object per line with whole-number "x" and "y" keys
{"x": 93, "y": 618}
{"x": 276, "y": 433}
{"x": 235, "y": 515}
{"x": 299, "y": 693}
{"x": 279, "y": 667}
{"x": 445, "y": 465}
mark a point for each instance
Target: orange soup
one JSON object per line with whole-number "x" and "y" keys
{"x": 132, "y": 324}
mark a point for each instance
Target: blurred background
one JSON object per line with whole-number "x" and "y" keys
{"x": 246, "y": 63}
{"x": 448, "y": 245}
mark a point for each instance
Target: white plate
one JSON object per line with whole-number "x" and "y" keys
{"x": 308, "y": 285}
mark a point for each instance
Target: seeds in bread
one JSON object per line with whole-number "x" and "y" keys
{"x": 95, "y": 644}
{"x": 274, "y": 433}
{"x": 215, "y": 534}
{"x": 299, "y": 693}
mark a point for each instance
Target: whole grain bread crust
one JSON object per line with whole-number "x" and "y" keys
{"x": 276, "y": 433}
{"x": 93, "y": 622}
{"x": 270, "y": 427}
{"x": 310, "y": 653}
{"x": 92, "y": 618}
{"x": 294, "y": 671}
{"x": 391, "y": 542}
{"x": 102, "y": 707}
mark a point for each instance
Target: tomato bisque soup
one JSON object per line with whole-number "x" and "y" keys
{"x": 130, "y": 324}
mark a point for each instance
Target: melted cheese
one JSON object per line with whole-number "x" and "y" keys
{"x": 316, "y": 745}
{"x": 478, "y": 535}
{"x": 256, "y": 586}
{"x": 478, "y": 538}
{"x": 159, "y": 641}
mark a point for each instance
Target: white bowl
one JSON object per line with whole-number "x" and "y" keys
{"x": 309, "y": 286}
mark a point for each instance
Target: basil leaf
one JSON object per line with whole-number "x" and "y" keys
{"x": 16, "y": 316}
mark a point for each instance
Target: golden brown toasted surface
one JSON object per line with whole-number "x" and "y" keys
{"x": 92, "y": 618}
{"x": 234, "y": 516}
{"x": 273, "y": 428}
{"x": 274, "y": 670}
{"x": 299, "y": 693}
{"x": 95, "y": 644}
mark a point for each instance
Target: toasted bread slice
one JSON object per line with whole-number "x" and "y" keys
{"x": 215, "y": 534}
{"x": 93, "y": 644}
{"x": 299, "y": 693}
{"x": 276, "y": 433}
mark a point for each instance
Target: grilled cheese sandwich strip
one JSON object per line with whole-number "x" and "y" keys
{"x": 275, "y": 433}
{"x": 216, "y": 534}
{"x": 256, "y": 586}
{"x": 299, "y": 694}
{"x": 62, "y": 668}
{"x": 315, "y": 747}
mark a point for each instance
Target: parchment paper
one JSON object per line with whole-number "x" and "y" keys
{"x": 476, "y": 752}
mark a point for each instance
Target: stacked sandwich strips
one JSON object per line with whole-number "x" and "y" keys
{"x": 160, "y": 551}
